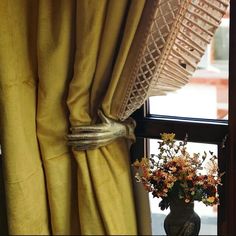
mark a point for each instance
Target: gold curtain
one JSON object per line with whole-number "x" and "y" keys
{"x": 58, "y": 60}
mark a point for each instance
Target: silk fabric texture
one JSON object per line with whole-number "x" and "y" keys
{"x": 59, "y": 62}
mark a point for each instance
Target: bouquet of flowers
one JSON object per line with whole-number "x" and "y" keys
{"x": 174, "y": 173}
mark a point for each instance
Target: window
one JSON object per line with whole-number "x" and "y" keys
{"x": 206, "y": 94}
{"x": 218, "y": 130}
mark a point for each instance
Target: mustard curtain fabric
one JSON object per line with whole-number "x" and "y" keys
{"x": 60, "y": 60}
{"x": 23, "y": 171}
{"x": 3, "y": 214}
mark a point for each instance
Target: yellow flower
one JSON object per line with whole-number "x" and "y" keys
{"x": 170, "y": 185}
{"x": 136, "y": 164}
{"x": 167, "y": 137}
{"x": 211, "y": 199}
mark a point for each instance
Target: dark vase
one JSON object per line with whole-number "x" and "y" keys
{"x": 182, "y": 219}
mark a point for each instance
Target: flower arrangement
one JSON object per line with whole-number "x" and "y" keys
{"x": 173, "y": 172}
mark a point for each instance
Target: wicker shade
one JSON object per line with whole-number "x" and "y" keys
{"x": 171, "y": 40}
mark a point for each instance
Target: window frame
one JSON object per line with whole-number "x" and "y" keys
{"x": 222, "y": 133}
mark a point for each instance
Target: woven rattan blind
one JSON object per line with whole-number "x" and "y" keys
{"x": 169, "y": 43}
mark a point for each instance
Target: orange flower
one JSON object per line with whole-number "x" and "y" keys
{"x": 144, "y": 162}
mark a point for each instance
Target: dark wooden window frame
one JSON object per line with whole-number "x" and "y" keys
{"x": 219, "y": 132}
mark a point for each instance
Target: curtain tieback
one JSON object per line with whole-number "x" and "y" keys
{"x": 94, "y": 136}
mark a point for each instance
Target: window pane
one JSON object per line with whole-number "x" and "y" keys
{"x": 206, "y": 94}
{"x": 207, "y": 214}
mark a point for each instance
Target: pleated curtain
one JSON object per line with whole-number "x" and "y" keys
{"x": 60, "y": 60}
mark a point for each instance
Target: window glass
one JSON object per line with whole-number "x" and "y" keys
{"x": 206, "y": 94}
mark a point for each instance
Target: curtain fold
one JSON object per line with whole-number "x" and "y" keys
{"x": 3, "y": 213}
{"x": 104, "y": 181}
{"x": 60, "y": 61}
{"x": 55, "y": 53}
{"x": 23, "y": 172}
